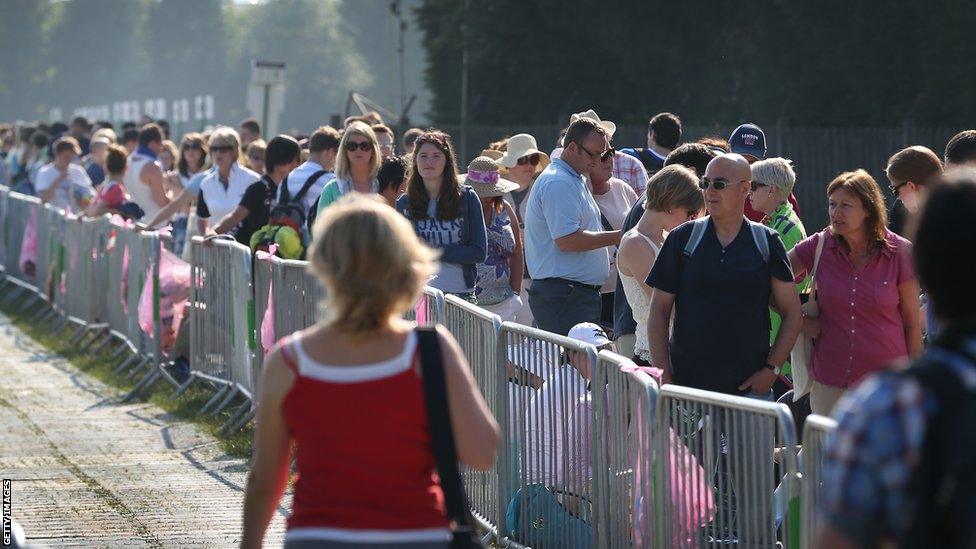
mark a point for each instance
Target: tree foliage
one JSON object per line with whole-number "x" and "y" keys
{"x": 824, "y": 63}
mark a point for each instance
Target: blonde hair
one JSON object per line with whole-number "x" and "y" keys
{"x": 777, "y": 172}
{"x": 107, "y": 133}
{"x": 342, "y": 162}
{"x": 674, "y": 186}
{"x": 371, "y": 262}
{"x": 224, "y": 136}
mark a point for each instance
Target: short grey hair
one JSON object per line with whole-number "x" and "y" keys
{"x": 776, "y": 172}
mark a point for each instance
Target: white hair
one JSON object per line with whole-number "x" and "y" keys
{"x": 776, "y": 172}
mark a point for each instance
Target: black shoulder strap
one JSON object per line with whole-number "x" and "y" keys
{"x": 439, "y": 426}
{"x": 308, "y": 184}
{"x": 606, "y": 223}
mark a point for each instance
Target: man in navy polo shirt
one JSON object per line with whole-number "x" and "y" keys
{"x": 721, "y": 292}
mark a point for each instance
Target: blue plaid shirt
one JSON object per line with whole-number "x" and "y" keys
{"x": 871, "y": 457}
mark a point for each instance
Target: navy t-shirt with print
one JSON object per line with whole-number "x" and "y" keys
{"x": 721, "y": 319}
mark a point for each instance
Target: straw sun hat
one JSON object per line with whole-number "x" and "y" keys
{"x": 521, "y": 145}
{"x": 607, "y": 125}
{"x": 484, "y": 178}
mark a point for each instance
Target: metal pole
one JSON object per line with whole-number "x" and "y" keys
{"x": 462, "y": 152}
{"x": 265, "y": 108}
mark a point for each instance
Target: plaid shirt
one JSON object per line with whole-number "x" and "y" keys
{"x": 871, "y": 458}
{"x": 630, "y": 169}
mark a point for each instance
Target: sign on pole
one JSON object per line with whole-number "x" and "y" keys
{"x": 266, "y": 94}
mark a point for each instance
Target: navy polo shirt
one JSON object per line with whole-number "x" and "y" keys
{"x": 721, "y": 321}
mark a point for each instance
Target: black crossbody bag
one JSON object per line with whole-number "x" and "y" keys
{"x": 463, "y": 534}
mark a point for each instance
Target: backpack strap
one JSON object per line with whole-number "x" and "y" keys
{"x": 308, "y": 184}
{"x": 761, "y": 237}
{"x": 697, "y": 233}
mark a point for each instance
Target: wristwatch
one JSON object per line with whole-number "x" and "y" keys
{"x": 775, "y": 369}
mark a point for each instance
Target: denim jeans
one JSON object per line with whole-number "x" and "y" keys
{"x": 558, "y": 306}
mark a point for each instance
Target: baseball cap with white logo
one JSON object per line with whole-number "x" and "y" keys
{"x": 749, "y": 139}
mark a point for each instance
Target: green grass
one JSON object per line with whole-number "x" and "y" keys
{"x": 100, "y": 366}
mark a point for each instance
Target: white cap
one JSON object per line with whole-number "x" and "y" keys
{"x": 588, "y": 332}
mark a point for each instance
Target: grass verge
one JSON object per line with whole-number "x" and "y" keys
{"x": 101, "y": 365}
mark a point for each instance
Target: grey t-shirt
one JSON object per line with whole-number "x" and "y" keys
{"x": 441, "y": 234}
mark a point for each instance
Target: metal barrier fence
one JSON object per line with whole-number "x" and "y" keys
{"x": 545, "y": 460}
{"x": 592, "y": 453}
{"x": 222, "y": 338}
{"x": 734, "y": 452}
{"x": 623, "y": 472}
{"x": 815, "y": 432}
{"x": 476, "y": 331}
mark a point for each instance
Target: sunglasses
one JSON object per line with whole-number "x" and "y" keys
{"x": 608, "y": 154}
{"x": 192, "y": 148}
{"x": 256, "y": 158}
{"x": 590, "y": 154}
{"x": 221, "y": 148}
{"x": 530, "y": 159}
{"x": 351, "y": 146}
{"x": 757, "y": 185}
{"x": 717, "y": 184}
{"x": 896, "y": 188}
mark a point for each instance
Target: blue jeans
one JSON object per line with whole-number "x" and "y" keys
{"x": 558, "y": 305}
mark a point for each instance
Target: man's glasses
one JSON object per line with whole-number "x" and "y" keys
{"x": 718, "y": 184}
{"x": 530, "y": 159}
{"x": 351, "y": 146}
{"x": 590, "y": 154}
{"x": 221, "y": 148}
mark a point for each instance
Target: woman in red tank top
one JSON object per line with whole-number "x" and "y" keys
{"x": 347, "y": 393}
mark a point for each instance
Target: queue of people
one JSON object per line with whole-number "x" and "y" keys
{"x": 690, "y": 257}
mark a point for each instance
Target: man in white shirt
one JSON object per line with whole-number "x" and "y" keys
{"x": 144, "y": 177}
{"x": 323, "y": 146}
{"x": 63, "y": 183}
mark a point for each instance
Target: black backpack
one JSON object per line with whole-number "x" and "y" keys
{"x": 944, "y": 483}
{"x": 289, "y": 210}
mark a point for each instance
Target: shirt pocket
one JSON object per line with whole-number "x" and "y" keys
{"x": 886, "y": 293}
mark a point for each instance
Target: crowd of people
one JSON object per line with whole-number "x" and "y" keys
{"x": 687, "y": 256}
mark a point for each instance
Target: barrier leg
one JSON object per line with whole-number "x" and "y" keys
{"x": 227, "y": 400}
{"x": 145, "y": 383}
{"x": 41, "y": 312}
{"x": 240, "y": 423}
{"x": 105, "y": 337}
{"x": 78, "y": 336}
{"x": 118, "y": 350}
{"x": 241, "y": 410}
{"x": 13, "y": 296}
{"x": 60, "y": 326}
{"x": 138, "y": 367}
{"x": 186, "y": 385}
{"x": 125, "y": 364}
{"x": 213, "y": 400}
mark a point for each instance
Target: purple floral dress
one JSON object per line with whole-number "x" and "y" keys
{"x": 494, "y": 275}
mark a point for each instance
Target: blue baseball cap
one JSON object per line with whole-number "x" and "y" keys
{"x": 749, "y": 139}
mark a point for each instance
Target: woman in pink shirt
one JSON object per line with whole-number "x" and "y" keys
{"x": 866, "y": 288}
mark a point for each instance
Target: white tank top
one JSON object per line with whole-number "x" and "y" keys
{"x": 639, "y": 303}
{"x": 138, "y": 190}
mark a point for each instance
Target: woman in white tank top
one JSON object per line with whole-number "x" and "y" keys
{"x": 672, "y": 198}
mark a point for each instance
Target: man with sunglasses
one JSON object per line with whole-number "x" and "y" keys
{"x": 565, "y": 244}
{"x": 720, "y": 291}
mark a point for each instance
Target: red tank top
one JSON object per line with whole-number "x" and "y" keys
{"x": 363, "y": 451}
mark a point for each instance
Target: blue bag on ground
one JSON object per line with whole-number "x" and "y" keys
{"x": 547, "y": 523}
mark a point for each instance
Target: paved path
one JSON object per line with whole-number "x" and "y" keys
{"x": 90, "y": 472}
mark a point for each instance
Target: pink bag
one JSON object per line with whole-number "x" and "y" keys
{"x": 28, "y": 248}
{"x": 174, "y": 293}
{"x": 267, "y": 323}
{"x": 691, "y": 494}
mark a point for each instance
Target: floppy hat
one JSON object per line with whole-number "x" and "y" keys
{"x": 748, "y": 139}
{"x": 607, "y": 125}
{"x": 492, "y": 154}
{"x": 520, "y": 145}
{"x": 484, "y": 178}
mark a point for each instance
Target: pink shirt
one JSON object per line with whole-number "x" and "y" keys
{"x": 861, "y": 328}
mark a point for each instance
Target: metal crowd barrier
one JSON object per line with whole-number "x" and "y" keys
{"x": 815, "y": 432}
{"x": 17, "y": 211}
{"x": 222, "y": 338}
{"x": 429, "y": 309}
{"x": 545, "y": 460}
{"x": 476, "y": 331}
{"x": 623, "y": 435}
{"x": 733, "y": 450}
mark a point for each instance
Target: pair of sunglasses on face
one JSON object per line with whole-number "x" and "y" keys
{"x": 720, "y": 183}
{"x": 532, "y": 159}
{"x": 351, "y": 146}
